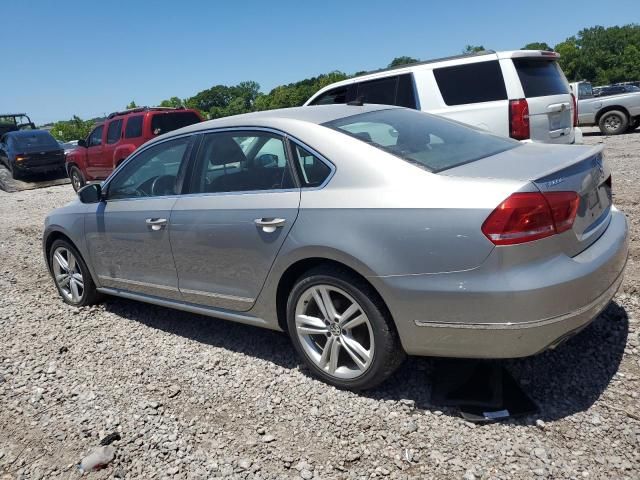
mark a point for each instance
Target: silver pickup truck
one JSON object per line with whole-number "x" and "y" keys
{"x": 613, "y": 114}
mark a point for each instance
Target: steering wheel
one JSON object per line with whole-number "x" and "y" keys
{"x": 163, "y": 185}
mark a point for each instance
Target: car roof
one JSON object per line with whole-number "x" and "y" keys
{"x": 317, "y": 115}
{"x": 26, "y": 133}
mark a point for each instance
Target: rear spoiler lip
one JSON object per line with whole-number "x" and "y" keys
{"x": 589, "y": 154}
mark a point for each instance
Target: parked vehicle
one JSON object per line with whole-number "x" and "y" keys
{"x": 617, "y": 90}
{"x": 12, "y": 122}
{"x": 109, "y": 143}
{"x": 520, "y": 94}
{"x": 614, "y": 114}
{"x": 30, "y": 151}
{"x": 366, "y": 232}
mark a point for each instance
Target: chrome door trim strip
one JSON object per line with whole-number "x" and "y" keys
{"x": 137, "y": 283}
{"x": 217, "y": 295}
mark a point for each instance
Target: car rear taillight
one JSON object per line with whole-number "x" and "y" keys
{"x": 575, "y": 110}
{"x": 524, "y": 217}
{"x": 519, "y": 119}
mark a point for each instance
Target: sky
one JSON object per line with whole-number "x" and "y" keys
{"x": 64, "y": 58}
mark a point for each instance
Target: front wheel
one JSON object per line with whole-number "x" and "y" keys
{"x": 613, "y": 122}
{"x": 342, "y": 330}
{"x": 71, "y": 275}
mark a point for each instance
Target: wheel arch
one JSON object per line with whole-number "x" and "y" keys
{"x": 604, "y": 110}
{"x": 298, "y": 268}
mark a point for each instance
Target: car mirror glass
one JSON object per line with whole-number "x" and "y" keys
{"x": 82, "y": 143}
{"x": 91, "y": 193}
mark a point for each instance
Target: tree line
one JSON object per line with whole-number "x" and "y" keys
{"x": 597, "y": 54}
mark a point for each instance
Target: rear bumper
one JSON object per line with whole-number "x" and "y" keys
{"x": 498, "y": 312}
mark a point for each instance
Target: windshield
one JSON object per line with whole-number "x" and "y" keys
{"x": 36, "y": 140}
{"x": 540, "y": 78}
{"x": 426, "y": 140}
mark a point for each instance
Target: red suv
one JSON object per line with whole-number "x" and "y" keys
{"x": 109, "y": 143}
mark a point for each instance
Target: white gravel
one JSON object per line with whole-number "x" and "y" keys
{"x": 194, "y": 397}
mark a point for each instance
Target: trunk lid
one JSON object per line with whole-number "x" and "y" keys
{"x": 556, "y": 169}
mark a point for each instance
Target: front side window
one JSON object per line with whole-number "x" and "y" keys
{"x": 425, "y": 140}
{"x": 95, "y": 137}
{"x": 314, "y": 171}
{"x": 134, "y": 127}
{"x": 113, "y": 131}
{"x": 240, "y": 162}
{"x": 471, "y": 83}
{"x": 152, "y": 173}
{"x": 585, "y": 90}
{"x": 540, "y": 78}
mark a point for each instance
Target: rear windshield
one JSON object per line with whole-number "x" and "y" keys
{"x": 425, "y": 140}
{"x": 166, "y": 122}
{"x": 540, "y": 78}
{"x": 36, "y": 140}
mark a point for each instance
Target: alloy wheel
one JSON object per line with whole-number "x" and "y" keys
{"x": 68, "y": 275}
{"x": 334, "y": 331}
{"x": 75, "y": 180}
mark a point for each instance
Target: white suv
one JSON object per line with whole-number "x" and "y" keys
{"x": 522, "y": 94}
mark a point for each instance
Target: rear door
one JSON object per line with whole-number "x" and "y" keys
{"x": 549, "y": 98}
{"x": 227, "y": 231}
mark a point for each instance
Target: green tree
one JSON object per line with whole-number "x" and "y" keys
{"x": 132, "y": 104}
{"x": 402, "y": 61}
{"x": 74, "y": 129}
{"x": 473, "y": 49}
{"x": 173, "y": 102}
{"x": 538, "y": 46}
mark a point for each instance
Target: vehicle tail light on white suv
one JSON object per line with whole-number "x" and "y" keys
{"x": 524, "y": 217}
{"x": 575, "y": 110}
{"x": 519, "y": 119}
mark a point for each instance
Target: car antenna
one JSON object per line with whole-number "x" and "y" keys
{"x": 358, "y": 102}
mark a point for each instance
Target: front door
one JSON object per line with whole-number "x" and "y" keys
{"x": 228, "y": 228}
{"x": 128, "y": 234}
{"x": 94, "y": 152}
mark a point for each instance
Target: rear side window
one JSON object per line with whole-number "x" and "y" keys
{"x": 167, "y": 122}
{"x": 134, "y": 127}
{"x": 471, "y": 83}
{"x": 114, "y": 131}
{"x": 540, "y": 78}
{"x": 336, "y": 95}
{"x": 314, "y": 171}
{"x": 395, "y": 90}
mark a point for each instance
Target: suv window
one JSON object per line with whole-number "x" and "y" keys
{"x": 95, "y": 137}
{"x": 167, "y": 122}
{"x": 134, "y": 127}
{"x": 314, "y": 171}
{"x": 422, "y": 139}
{"x": 540, "y": 78}
{"x": 336, "y": 95}
{"x": 114, "y": 131}
{"x": 394, "y": 90}
{"x": 241, "y": 161}
{"x": 153, "y": 172}
{"x": 382, "y": 90}
{"x": 471, "y": 83}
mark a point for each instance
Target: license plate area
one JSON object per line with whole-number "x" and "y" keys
{"x": 557, "y": 121}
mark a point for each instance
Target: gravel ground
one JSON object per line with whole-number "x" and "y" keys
{"x": 194, "y": 397}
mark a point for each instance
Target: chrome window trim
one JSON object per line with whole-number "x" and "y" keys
{"x": 217, "y": 295}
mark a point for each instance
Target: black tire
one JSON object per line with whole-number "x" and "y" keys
{"x": 613, "y": 122}
{"x": 634, "y": 124}
{"x": 76, "y": 177}
{"x": 89, "y": 295}
{"x": 15, "y": 174}
{"x": 387, "y": 354}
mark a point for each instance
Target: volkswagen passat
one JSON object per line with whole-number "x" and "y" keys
{"x": 365, "y": 232}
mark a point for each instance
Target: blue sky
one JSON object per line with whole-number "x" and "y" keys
{"x": 89, "y": 58}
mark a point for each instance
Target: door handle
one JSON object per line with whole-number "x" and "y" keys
{"x": 156, "y": 223}
{"x": 269, "y": 225}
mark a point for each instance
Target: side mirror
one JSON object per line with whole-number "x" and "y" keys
{"x": 82, "y": 143}
{"x": 91, "y": 193}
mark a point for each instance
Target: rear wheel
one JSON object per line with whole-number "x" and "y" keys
{"x": 342, "y": 330}
{"x": 613, "y": 122}
{"x": 77, "y": 179}
{"x": 71, "y": 275}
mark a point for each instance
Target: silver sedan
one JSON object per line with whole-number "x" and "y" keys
{"x": 365, "y": 232}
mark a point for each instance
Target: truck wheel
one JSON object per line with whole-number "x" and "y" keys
{"x": 77, "y": 180}
{"x": 613, "y": 122}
